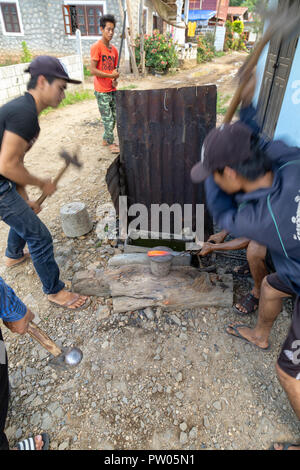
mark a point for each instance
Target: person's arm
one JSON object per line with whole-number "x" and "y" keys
{"x": 12, "y": 167}
{"x": 14, "y": 313}
{"x": 232, "y": 245}
{"x": 98, "y": 73}
{"x": 20, "y": 326}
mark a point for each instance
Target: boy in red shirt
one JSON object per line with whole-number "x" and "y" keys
{"x": 104, "y": 59}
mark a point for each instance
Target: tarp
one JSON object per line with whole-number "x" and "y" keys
{"x": 201, "y": 15}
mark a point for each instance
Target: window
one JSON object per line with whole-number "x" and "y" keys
{"x": 10, "y": 17}
{"x": 86, "y": 18}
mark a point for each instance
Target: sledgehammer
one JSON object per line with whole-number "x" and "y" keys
{"x": 69, "y": 160}
{"x": 62, "y": 357}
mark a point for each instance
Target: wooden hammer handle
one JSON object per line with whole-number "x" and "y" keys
{"x": 39, "y": 335}
{"x": 248, "y": 67}
{"x": 41, "y": 199}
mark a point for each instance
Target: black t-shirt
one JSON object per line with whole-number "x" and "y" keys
{"x": 20, "y": 117}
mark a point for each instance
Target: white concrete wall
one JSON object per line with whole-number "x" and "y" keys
{"x": 220, "y": 38}
{"x": 13, "y": 80}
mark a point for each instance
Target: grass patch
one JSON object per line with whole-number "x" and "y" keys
{"x": 128, "y": 87}
{"x": 72, "y": 98}
{"x": 222, "y": 104}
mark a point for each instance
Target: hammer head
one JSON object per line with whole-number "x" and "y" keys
{"x": 68, "y": 357}
{"x": 69, "y": 159}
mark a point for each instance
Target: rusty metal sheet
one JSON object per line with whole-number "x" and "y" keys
{"x": 161, "y": 134}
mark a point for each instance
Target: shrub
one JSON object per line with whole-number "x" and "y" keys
{"x": 26, "y": 56}
{"x": 205, "y": 49}
{"x": 231, "y": 41}
{"x": 160, "y": 51}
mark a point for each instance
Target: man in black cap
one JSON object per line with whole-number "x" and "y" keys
{"x": 19, "y": 128}
{"x": 252, "y": 190}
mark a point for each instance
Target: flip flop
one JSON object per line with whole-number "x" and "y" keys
{"x": 249, "y": 302}
{"x": 286, "y": 445}
{"x": 29, "y": 443}
{"x": 26, "y": 258}
{"x": 67, "y": 305}
{"x": 238, "y": 335}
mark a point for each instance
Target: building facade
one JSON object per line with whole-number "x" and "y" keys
{"x": 48, "y": 26}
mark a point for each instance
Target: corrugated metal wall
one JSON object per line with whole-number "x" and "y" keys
{"x": 161, "y": 133}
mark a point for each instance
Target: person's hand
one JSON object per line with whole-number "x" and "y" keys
{"x": 207, "y": 249}
{"x": 115, "y": 74}
{"x": 217, "y": 237}
{"x": 114, "y": 83}
{"x": 48, "y": 187}
{"x": 34, "y": 206}
{"x": 20, "y": 326}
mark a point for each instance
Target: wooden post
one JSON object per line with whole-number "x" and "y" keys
{"x": 142, "y": 32}
{"x": 131, "y": 52}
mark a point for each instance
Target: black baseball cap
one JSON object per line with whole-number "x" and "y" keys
{"x": 223, "y": 146}
{"x": 48, "y": 65}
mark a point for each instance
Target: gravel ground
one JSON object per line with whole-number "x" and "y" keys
{"x": 148, "y": 379}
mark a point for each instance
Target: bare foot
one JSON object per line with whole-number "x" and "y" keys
{"x": 247, "y": 333}
{"x": 68, "y": 299}
{"x": 10, "y": 262}
{"x": 114, "y": 148}
{"x": 278, "y": 446}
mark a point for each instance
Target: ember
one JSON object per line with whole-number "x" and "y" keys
{"x": 158, "y": 253}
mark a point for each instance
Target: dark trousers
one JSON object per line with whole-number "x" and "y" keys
{"x": 3, "y": 396}
{"x": 25, "y": 226}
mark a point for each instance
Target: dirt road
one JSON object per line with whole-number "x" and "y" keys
{"x": 148, "y": 380}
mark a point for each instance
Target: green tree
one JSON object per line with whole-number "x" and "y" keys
{"x": 235, "y": 3}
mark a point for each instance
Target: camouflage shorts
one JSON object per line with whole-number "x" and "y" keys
{"x": 107, "y": 107}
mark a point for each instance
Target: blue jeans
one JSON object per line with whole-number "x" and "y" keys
{"x": 26, "y": 227}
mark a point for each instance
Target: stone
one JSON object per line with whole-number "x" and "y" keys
{"x": 175, "y": 319}
{"x": 217, "y": 405}
{"x": 193, "y": 433}
{"x": 183, "y": 438}
{"x": 102, "y": 312}
{"x": 206, "y": 422}
{"x": 183, "y": 426}
{"x": 149, "y": 313}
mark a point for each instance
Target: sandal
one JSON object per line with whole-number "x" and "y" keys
{"x": 29, "y": 443}
{"x": 286, "y": 445}
{"x": 23, "y": 260}
{"x": 68, "y": 304}
{"x": 249, "y": 303}
{"x": 238, "y": 335}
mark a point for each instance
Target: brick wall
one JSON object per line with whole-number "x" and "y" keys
{"x": 13, "y": 80}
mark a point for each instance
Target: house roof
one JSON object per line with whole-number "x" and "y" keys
{"x": 237, "y": 11}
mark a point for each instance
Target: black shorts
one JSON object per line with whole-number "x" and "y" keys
{"x": 289, "y": 358}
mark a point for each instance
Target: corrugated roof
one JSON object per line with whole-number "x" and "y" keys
{"x": 240, "y": 11}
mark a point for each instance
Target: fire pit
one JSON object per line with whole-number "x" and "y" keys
{"x": 160, "y": 261}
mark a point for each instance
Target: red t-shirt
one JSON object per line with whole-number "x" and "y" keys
{"x": 107, "y": 59}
